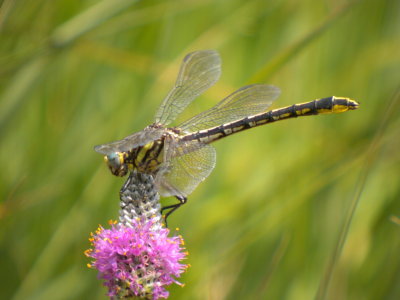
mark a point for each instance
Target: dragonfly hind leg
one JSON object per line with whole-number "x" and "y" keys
{"x": 182, "y": 200}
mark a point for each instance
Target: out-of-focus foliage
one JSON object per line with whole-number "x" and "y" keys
{"x": 296, "y": 210}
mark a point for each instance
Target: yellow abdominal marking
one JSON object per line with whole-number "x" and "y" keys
{"x": 238, "y": 128}
{"x": 327, "y": 111}
{"x": 339, "y": 108}
{"x": 283, "y": 116}
{"x": 304, "y": 111}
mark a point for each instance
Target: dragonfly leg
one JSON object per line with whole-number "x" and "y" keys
{"x": 173, "y": 207}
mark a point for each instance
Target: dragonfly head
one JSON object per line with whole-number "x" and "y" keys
{"x": 116, "y": 163}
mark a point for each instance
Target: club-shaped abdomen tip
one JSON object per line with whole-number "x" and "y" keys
{"x": 353, "y": 104}
{"x": 342, "y": 104}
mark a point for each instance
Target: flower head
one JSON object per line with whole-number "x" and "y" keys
{"x": 137, "y": 261}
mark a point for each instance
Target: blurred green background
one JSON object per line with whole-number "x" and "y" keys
{"x": 301, "y": 209}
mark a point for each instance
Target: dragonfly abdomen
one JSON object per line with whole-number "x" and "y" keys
{"x": 320, "y": 106}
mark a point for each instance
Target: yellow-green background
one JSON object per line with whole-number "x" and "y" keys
{"x": 291, "y": 209}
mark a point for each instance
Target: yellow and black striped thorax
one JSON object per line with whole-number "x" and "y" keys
{"x": 320, "y": 106}
{"x": 147, "y": 158}
{"x": 144, "y": 159}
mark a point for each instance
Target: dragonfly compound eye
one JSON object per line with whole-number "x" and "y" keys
{"x": 116, "y": 164}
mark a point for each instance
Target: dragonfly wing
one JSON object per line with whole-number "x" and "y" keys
{"x": 186, "y": 165}
{"x": 199, "y": 71}
{"x": 132, "y": 141}
{"x": 246, "y": 101}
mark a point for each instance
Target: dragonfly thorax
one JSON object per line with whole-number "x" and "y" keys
{"x": 148, "y": 158}
{"x": 144, "y": 159}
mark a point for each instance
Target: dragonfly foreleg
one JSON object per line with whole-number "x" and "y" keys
{"x": 182, "y": 200}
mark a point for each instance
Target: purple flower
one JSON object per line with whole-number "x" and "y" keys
{"x": 137, "y": 261}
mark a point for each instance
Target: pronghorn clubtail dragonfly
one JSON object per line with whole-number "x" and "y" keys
{"x": 179, "y": 158}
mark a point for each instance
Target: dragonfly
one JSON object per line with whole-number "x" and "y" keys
{"x": 181, "y": 157}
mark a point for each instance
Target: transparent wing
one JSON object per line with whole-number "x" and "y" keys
{"x": 186, "y": 165}
{"x": 246, "y": 101}
{"x": 199, "y": 71}
{"x": 132, "y": 141}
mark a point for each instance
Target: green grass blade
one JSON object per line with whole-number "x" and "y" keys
{"x": 88, "y": 20}
{"x": 291, "y": 51}
{"x": 371, "y": 157}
